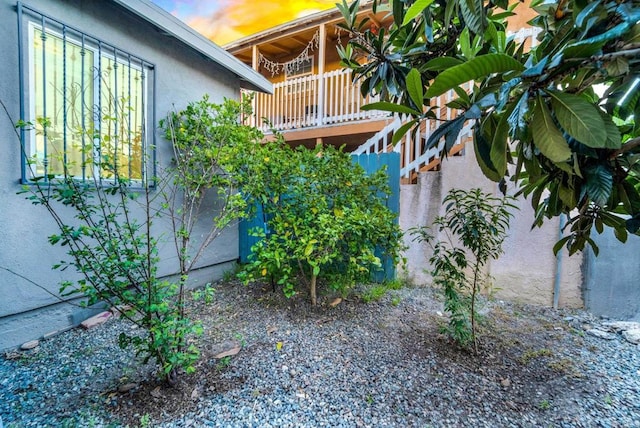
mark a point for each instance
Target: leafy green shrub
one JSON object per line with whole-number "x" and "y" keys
{"x": 474, "y": 227}
{"x": 109, "y": 236}
{"x": 326, "y": 218}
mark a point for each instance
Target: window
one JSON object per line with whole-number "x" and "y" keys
{"x": 88, "y": 103}
{"x": 298, "y": 67}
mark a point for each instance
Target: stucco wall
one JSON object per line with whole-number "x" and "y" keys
{"x": 612, "y": 279}
{"x": 181, "y": 76}
{"x": 527, "y": 270}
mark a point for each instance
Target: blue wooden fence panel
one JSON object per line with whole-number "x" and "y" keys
{"x": 370, "y": 163}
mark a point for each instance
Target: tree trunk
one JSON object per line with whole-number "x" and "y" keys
{"x": 312, "y": 286}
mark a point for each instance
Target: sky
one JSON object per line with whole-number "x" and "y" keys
{"x": 224, "y": 21}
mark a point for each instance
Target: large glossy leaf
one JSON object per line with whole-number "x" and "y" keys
{"x": 614, "y": 139}
{"x": 478, "y": 67}
{"x": 516, "y": 118}
{"x": 591, "y": 45}
{"x": 546, "y": 135}
{"x": 633, "y": 224}
{"x": 473, "y": 14}
{"x": 449, "y": 130}
{"x": 579, "y": 118}
{"x": 415, "y": 10}
{"x": 414, "y": 87}
{"x": 500, "y": 144}
{"x": 599, "y": 183}
{"x": 442, "y": 63}
{"x": 482, "y": 148}
{"x": 397, "y": 136}
{"x": 391, "y": 107}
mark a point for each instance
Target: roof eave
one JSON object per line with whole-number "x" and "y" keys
{"x": 144, "y": 9}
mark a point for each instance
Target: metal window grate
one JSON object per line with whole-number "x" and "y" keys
{"x": 91, "y": 105}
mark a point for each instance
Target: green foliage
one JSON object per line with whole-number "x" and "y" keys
{"x": 109, "y": 237}
{"x": 575, "y": 148}
{"x": 208, "y": 139}
{"x": 464, "y": 239}
{"x": 205, "y": 294}
{"x": 325, "y": 218}
{"x": 375, "y": 292}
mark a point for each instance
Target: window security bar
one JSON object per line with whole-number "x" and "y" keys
{"x": 88, "y": 103}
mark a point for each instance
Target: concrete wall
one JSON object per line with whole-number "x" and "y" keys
{"x": 612, "y": 280}
{"x": 181, "y": 76}
{"x": 527, "y": 270}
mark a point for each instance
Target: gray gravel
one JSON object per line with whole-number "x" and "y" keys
{"x": 381, "y": 364}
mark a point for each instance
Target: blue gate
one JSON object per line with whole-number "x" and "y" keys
{"x": 370, "y": 163}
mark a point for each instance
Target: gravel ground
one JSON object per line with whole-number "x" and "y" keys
{"x": 379, "y": 364}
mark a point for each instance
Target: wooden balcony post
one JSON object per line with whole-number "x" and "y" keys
{"x": 322, "y": 52}
{"x": 255, "y": 64}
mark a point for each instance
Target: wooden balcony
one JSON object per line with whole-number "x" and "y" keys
{"x": 317, "y": 101}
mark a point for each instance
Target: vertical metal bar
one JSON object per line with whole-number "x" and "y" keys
{"x": 153, "y": 135}
{"x": 129, "y": 113}
{"x": 23, "y": 133}
{"x": 64, "y": 99}
{"x": 43, "y": 36}
{"x": 98, "y": 168}
{"x": 143, "y": 132}
{"x": 116, "y": 117}
{"x": 82, "y": 112}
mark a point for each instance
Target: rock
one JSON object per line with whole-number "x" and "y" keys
{"x": 227, "y": 349}
{"x": 271, "y": 329}
{"x": 601, "y": 334}
{"x": 127, "y": 387}
{"x": 506, "y": 383}
{"x": 157, "y": 393}
{"x": 618, "y": 326}
{"x": 335, "y": 302}
{"x": 96, "y": 320}
{"x": 195, "y": 394}
{"x": 29, "y": 345}
{"x": 440, "y": 314}
{"x": 632, "y": 336}
{"x": 12, "y": 355}
{"x": 117, "y": 311}
{"x": 511, "y": 405}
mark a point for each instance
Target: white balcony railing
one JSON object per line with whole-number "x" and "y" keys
{"x": 313, "y": 101}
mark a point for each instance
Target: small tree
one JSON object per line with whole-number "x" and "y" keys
{"x": 110, "y": 239}
{"x": 325, "y": 218}
{"x": 467, "y": 236}
{"x": 207, "y": 139}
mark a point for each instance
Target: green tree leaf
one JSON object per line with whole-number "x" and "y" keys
{"x": 473, "y": 14}
{"x": 579, "y": 118}
{"x": 391, "y": 107}
{"x": 482, "y": 148}
{"x": 546, "y": 135}
{"x": 500, "y": 145}
{"x": 415, "y": 10}
{"x": 414, "y": 87}
{"x": 476, "y": 68}
{"x": 400, "y": 132}
{"x": 599, "y": 184}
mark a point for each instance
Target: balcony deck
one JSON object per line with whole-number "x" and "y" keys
{"x": 317, "y": 106}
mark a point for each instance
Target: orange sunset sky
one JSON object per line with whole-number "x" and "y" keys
{"x": 224, "y": 21}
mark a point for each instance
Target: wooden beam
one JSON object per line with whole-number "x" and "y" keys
{"x": 322, "y": 53}
{"x": 255, "y": 57}
{"x": 299, "y": 40}
{"x": 280, "y": 47}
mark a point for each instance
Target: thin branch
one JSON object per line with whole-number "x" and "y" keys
{"x": 628, "y": 146}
